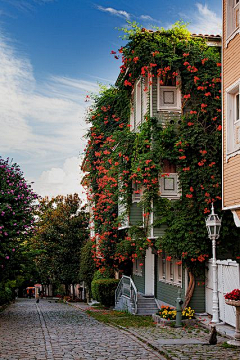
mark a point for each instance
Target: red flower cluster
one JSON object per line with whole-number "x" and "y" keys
{"x": 233, "y": 295}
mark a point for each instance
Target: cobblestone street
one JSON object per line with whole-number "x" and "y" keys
{"x": 58, "y": 331}
{"x": 50, "y": 330}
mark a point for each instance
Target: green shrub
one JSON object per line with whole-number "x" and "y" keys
{"x": 87, "y": 265}
{"x": 106, "y": 274}
{"x": 103, "y": 290}
{"x": 6, "y": 295}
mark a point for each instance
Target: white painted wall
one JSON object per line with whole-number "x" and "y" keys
{"x": 149, "y": 272}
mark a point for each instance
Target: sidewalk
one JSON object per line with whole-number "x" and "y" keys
{"x": 222, "y": 328}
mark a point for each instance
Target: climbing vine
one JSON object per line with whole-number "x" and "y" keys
{"x": 116, "y": 156}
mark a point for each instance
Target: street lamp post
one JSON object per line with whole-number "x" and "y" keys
{"x": 213, "y": 224}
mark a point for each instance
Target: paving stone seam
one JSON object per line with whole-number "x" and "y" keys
{"x": 144, "y": 342}
{"x": 48, "y": 349}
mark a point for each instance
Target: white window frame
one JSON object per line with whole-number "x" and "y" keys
{"x": 92, "y": 229}
{"x": 231, "y": 121}
{"x": 177, "y": 267}
{"x": 168, "y": 193}
{"x": 145, "y": 97}
{"x": 177, "y": 92}
{"x": 174, "y": 278}
{"x": 137, "y": 269}
{"x": 122, "y": 209}
{"x": 162, "y": 267}
{"x": 132, "y": 119}
{"x": 136, "y": 197}
{"x": 232, "y": 29}
{"x": 140, "y": 103}
{"x": 170, "y": 271}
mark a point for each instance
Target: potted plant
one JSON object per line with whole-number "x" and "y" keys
{"x": 233, "y": 299}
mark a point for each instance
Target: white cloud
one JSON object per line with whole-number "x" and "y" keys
{"x": 148, "y": 18}
{"x": 42, "y": 124}
{"x": 61, "y": 181}
{"x": 204, "y": 21}
{"x": 119, "y": 13}
{"x": 32, "y": 114}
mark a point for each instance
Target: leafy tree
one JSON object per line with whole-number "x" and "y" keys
{"x": 61, "y": 231}
{"x": 87, "y": 265}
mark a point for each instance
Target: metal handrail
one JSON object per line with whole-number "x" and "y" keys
{"x": 118, "y": 291}
{"x": 127, "y": 288}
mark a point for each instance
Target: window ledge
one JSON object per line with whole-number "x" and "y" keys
{"x": 168, "y": 110}
{"x": 170, "y": 283}
{"x": 171, "y": 197}
{"x": 124, "y": 227}
{"x": 232, "y": 36}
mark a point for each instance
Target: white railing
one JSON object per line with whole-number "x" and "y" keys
{"x": 127, "y": 288}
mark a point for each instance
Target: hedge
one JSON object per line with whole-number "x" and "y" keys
{"x": 103, "y": 290}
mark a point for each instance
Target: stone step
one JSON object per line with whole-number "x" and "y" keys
{"x": 145, "y": 297}
{"x": 146, "y": 312}
{"x": 146, "y": 302}
{"x": 147, "y": 306}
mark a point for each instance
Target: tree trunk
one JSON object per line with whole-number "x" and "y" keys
{"x": 190, "y": 289}
{"x": 73, "y": 289}
{"x": 66, "y": 289}
{"x": 53, "y": 289}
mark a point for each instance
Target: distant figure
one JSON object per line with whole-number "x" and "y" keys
{"x": 213, "y": 336}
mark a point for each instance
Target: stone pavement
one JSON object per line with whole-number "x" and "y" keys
{"x": 49, "y": 330}
{"x": 182, "y": 343}
{"x": 186, "y": 343}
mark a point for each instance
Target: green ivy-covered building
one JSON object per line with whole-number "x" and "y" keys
{"x": 154, "y": 162}
{"x": 157, "y": 274}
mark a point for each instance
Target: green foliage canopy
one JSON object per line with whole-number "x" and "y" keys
{"x": 61, "y": 232}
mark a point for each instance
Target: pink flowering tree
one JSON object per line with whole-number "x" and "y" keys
{"x": 16, "y": 216}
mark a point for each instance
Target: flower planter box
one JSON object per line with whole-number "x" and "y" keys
{"x": 164, "y": 322}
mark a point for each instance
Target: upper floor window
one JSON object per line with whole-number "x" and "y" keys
{"x": 136, "y": 192}
{"x": 232, "y": 17}
{"x": 169, "y": 98}
{"x": 169, "y": 94}
{"x": 169, "y": 182}
{"x": 139, "y": 103}
{"x": 123, "y": 216}
{"x": 233, "y": 118}
{"x": 169, "y": 186}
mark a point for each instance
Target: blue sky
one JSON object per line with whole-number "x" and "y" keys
{"x": 52, "y": 54}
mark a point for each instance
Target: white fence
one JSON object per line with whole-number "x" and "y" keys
{"x": 228, "y": 280}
